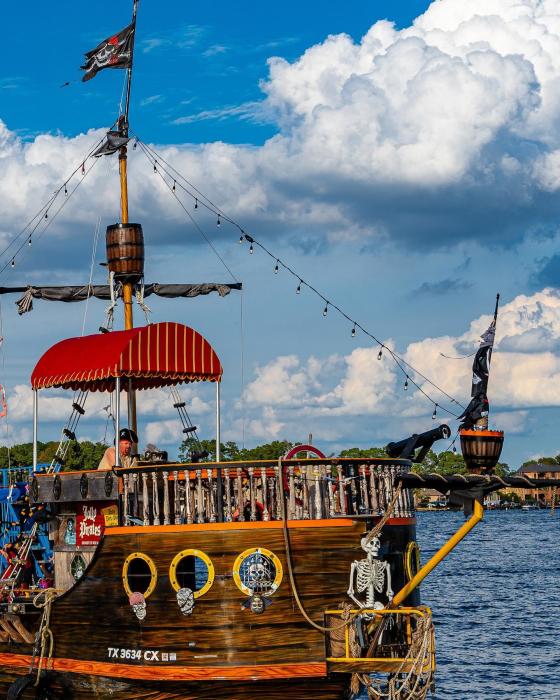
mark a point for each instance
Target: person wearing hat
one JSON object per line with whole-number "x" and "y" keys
{"x": 126, "y": 439}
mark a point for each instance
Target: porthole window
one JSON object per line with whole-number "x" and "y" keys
{"x": 257, "y": 571}
{"x": 139, "y": 574}
{"x": 192, "y": 569}
{"x": 411, "y": 560}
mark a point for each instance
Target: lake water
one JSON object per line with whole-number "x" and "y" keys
{"x": 496, "y": 605}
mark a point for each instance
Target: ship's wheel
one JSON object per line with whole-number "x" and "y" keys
{"x": 292, "y": 454}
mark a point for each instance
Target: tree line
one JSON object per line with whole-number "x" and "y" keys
{"x": 87, "y": 455}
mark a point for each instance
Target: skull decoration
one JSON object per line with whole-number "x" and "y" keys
{"x": 185, "y": 601}
{"x": 257, "y": 604}
{"x": 138, "y": 604}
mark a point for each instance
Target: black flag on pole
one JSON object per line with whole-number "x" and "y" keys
{"x": 114, "y": 52}
{"x": 479, "y": 406}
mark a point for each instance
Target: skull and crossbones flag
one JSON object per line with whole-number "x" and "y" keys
{"x": 114, "y": 52}
{"x": 479, "y": 406}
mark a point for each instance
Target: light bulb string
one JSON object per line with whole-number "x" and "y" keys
{"x": 187, "y": 212}
{"x": 23, "y": 246}
{"x": 31, "y": 226}
{"x": 175, "y": 176}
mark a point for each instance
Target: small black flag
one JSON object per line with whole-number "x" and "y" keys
{"x": 111, "y": 144}
{"x": 114, "y": 52}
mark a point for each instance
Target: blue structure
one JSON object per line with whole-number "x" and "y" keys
{"x": 13, "y": 503}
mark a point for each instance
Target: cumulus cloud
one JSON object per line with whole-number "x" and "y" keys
{"x": 525, "y": 373}
{"x": 446, "y": 129}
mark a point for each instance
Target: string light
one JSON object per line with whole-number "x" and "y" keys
{"x": 155, "y": 166}
{"x": 173, "y": 188}
{"x": 83, "y": 168}
{"x": 65, "y": 190}
{"x": 454, "y": 448}
{"x": 401, "y": 363}
{"x": 134, "y": 145}
{"x": 29, "y": 242}
{"x": 218, "y": 222}
{"x": 13, "y": 263}
{"x": 434, "y": 414}
{"x": 46, "y": 214}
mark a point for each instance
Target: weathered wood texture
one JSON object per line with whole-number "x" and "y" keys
{"x": 221, "y": 638}
{"x": 84, "y": 687}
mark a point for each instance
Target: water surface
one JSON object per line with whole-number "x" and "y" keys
{"x": 496, "y": 605}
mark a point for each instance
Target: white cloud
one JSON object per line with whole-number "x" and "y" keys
{"x": 359, "y": 385}
{"x": 445, "y": 129}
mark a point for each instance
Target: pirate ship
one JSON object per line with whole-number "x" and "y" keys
{"x": 211, "y": 579}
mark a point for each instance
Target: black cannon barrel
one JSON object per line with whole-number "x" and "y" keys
{"x": 395, "y": 449}
{"x": 458, "y": 482}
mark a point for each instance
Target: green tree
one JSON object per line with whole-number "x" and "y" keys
{"x": 368, "y": 452}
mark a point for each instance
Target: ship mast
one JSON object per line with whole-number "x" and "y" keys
{"x": 127, "y": 283}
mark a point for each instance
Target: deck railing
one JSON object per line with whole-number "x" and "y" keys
{"x": 207, "y": 493}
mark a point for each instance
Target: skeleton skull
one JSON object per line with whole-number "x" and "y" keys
{"x": 185, "y": 601}
{"x": 372, "y": 547}
{"x": 138, "y": 604}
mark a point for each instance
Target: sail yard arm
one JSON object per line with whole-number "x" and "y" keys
{"x": 75, "y": 293}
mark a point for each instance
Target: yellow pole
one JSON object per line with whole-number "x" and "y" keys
{"x": 439, "y": 556}
{"x": 127, "y": 286}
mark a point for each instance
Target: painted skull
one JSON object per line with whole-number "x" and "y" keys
{"x": 257, "y": 604}
{"x": 185, "y": 601}
{"x": 257, "y": 572}
{"x": 138, "y": 605}
{"x": 372, "y": 547}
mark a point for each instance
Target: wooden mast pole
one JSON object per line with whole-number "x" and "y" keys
{"x": 127, "y": 285}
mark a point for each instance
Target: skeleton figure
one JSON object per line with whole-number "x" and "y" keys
{"x": 185, "y": 601}
{"x": 138, "y": 605}
{"x": 370, "y": 576}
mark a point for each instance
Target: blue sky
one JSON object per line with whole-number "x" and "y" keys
{"x": 409, "y": 170}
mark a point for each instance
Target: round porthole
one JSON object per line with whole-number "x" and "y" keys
{"x": 139, "y": 574}
{"x": 411, "y": 560}
{"x": 257, "y": 571}
{"x": 192, "y": 569}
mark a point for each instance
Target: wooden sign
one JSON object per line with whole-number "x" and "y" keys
{"x": 90, "y": 524}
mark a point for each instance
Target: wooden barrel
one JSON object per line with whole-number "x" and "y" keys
{"x": 125, "y": 249}
{"x": 481, "y": 449}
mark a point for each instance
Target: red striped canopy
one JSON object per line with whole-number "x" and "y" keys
{"x": 160, "y": 354}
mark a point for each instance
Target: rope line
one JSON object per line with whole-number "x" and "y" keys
{"x": 175, "y": 180}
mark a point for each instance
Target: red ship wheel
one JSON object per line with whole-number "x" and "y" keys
{"x": 290, "y": 454}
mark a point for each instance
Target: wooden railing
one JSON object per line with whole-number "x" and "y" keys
{"x": 314, "y": 489}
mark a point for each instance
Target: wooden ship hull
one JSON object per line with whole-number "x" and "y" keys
{"x": 222, "y": 649}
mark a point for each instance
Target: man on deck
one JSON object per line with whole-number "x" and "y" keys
{"x": 126, "y": 439}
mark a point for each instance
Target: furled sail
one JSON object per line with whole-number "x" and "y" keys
{"x": 103, "y": 291}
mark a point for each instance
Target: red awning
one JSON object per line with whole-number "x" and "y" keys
{"x": 160, "y": 354}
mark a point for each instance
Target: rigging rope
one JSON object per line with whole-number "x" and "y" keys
{"x": 42, "y": 214}
{"x": 175, "y": 177}
{"x": 93, "y": 256}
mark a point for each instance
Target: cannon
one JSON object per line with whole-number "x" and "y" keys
{"x": 423, "y": 442}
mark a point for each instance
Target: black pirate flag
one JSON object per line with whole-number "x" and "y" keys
{"x": 478, "y": 406}
{"x": 114, "y": 52}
